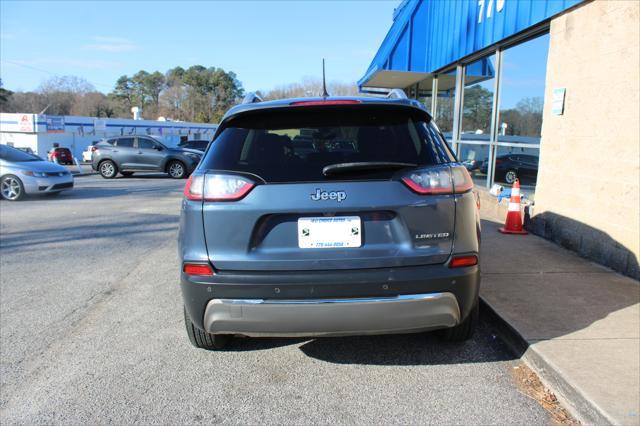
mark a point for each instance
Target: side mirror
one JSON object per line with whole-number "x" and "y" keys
{"x": 159, "y": 148}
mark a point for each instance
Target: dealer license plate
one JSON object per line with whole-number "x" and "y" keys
{"x": 329, "y": 232}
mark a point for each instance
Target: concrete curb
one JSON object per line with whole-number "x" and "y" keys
{"x": 580, "y": 406}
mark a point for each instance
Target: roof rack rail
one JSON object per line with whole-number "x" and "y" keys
{"x": 251, "y": 98}
{"x": 397, "y": 94}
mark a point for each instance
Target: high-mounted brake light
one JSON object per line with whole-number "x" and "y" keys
{"x": 461, "y": 261}
{"x": 217, "y": 187}
{"x": 332, "y": 102}
{"x": 197, "y": 269}
{"x": 439, "y": 180}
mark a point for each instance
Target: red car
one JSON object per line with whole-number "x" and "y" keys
{"x": 61, "y": 156}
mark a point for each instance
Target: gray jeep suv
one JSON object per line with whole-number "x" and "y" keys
{"x": 327, "y": 217}
{"x": 129, "y": 154}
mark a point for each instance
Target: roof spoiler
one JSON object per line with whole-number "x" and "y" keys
{"x": 397, "y": 94}
{"x": 251, "y": 98}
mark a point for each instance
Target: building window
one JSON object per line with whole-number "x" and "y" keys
{"x": 520, "y": 117}
{"x": 476, "y": 116}
{"x": 445, "y": 103}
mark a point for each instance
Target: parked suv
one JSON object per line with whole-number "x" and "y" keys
{"x": 372, "y": 228}
{"x": 200, "y": 145}
{"x": 60, "y": 155}
{"x": 129, "y": 154}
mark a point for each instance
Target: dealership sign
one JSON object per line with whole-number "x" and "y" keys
{"x": 25, "y": 124}
{"x": 55, "y": 124}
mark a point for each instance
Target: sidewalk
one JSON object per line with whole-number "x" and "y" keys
{"x": 577, "y": 323}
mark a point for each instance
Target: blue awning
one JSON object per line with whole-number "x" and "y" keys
{"x": 427, "y": 36}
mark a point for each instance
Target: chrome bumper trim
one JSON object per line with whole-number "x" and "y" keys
{"x": 332, "y": 317}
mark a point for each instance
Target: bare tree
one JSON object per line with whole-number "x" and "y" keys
{"x": 310, "y": 86}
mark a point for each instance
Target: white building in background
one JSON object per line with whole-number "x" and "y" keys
{"x": 40, "y": 132}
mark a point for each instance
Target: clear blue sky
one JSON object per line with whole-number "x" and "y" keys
{"x": 265, "y": 43}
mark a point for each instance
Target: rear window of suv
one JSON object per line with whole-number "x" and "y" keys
{"x": 295, "y": 144}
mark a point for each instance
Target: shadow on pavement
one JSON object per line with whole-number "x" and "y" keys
{"x": 149, "y": 224}
{"x": 392, "y": 349}
{"x": 143, "y": 175}
{"x": 585, "y": 240}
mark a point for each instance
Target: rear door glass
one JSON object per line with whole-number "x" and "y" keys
{"x": 144, "y": 143}
{"x": 125, "y": 142}
{"x": 295, "y": 144}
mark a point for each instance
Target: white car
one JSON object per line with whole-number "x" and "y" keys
{"x": 87, "y": 154}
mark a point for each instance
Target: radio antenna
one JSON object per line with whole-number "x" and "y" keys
{"x": 324, "y": 82}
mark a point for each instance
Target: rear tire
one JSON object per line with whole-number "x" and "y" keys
{"x": 202, "y": 339}
{"x": 465, "y": 329}
{"x": 176, "y": 169}
{"x": 511, "y": 176}
{"x": 108, "y": 169}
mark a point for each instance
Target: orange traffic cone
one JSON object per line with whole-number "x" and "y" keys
{"x": 513, "y": 224}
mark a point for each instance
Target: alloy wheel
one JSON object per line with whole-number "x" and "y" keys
{"x": 176, "y": 170}
{"x": 11, "y": 189}
{"x": 107, "y": 169}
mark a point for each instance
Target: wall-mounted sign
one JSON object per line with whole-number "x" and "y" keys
{"x": 25, "y": 123}
{"x": 55, "y": 124}
{"x": 100, "y": 125}
{"x": 557, "y": 104}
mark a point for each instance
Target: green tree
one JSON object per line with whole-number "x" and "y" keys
{"x": 201, "y": 94}
{"x": 477, "y": 109}
{"x": 125, "y": 91}
{"x": 4, "y": 96}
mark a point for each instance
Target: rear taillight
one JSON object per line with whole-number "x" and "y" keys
{"x": 462, "y": 181}
{"x": 328, "y": 102}
{"x": 197, "y": 269}
{"x": 440, "y": 180}
{"x": 429, "y": 181}
{"x": 217, "y": 187}
{"x": 461, "y": 261}
{"x": 94, "y": 148}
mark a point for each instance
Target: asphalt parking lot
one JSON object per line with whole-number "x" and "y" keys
{"x": 92, "y": 332}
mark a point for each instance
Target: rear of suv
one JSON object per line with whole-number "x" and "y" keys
{"x": 129, "y": 154}
{"x": 328, "y": 217}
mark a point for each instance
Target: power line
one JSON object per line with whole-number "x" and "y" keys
{"x": 47, "y": 72}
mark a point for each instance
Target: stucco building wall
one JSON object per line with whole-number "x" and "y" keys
{"x": 587, "y": 197}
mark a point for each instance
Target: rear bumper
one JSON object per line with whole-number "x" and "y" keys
{"x": 331, "y": 317}
{"x": 290, "y": 303}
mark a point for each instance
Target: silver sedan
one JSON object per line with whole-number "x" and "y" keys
{"x": 22, "y": 173}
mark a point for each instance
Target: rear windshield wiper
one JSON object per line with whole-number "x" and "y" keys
{"x": 339, "y": 168}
